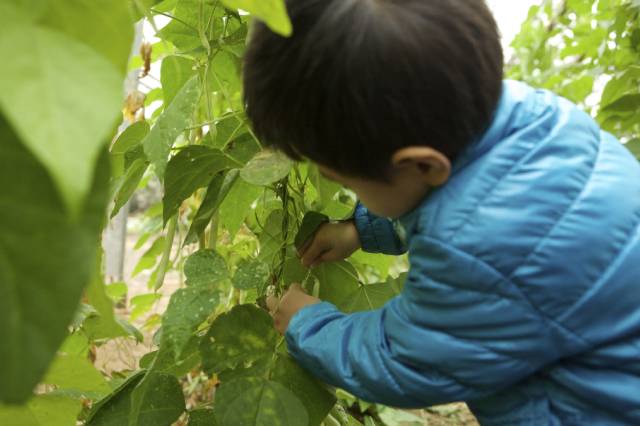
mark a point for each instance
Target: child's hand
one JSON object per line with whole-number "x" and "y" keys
{"x": 331, "y": 242}
{"x": 291, "y": 302}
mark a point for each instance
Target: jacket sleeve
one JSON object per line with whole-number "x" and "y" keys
{"x": 459, "y": 331}
{"x": 377, "y": 234}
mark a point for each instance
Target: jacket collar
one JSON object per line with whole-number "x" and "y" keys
{"x": 512, "y": 93}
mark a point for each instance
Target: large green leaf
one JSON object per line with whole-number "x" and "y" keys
{"x": 204, "y": 268}
{"x": 42, "y": 410}
{"x": 312, "y": 393}
{"x": 130, "y": 182}
{"x": 339, "y": 285}
{"x": 338, "y": 282}
{"x": 103, "y": 323}
{"x": 634, "y": 147}
{"x": 188, "y": 308}
{"x": 202, "y": 417}
{"x": 266, "y": 168}
{"x": 237, "y": 205}
{"x": 174, "y": 73}
{"x": 260, "y": 402}
{"x": 239, "y": 337}
{"x": 251, "y": 273}
{"x": 46, "y": 259}
{"x": 175, "y": 118}
{"x": 224, "y": 73}
{"x": 156, "y": 401}
{"x": 109, "y": 34}
{"x": 192, "y": 168}
{"x": 272, "y": 12}
{"x": 62, "y": 98}
{"x": 77, "y": 373}
{"x": 130, "y": 138}
{"x": 113, "y": 409}
{"x": 216, "y": 193}
{"x": 192, "y": 17}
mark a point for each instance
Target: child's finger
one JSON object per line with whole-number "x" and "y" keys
{"x": 313, "y": 253}
{"x": 272, "y": 304}
{"x": 302, "y": 250}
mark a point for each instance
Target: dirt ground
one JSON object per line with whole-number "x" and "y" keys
{"x": 124, "y": 354}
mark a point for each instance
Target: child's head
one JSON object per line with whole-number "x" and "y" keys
{"x": 378, "y": 92}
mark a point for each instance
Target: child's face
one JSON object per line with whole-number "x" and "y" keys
{"x": 414, "y": 172}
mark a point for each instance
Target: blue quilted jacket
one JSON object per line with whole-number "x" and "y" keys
{"x": 523, "y": 294}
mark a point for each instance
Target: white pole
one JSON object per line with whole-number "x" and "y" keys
{"x": 115, "y": 234}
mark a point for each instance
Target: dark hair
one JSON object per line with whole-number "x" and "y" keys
{"x": 360, "y": 79}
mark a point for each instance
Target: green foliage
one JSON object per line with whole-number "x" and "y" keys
{"x": 42, "y": 410}
{"x": 234, "y": 213}
{"x": 157, "y": 144}
{"x": 258, "y": 401}
{"x": 266, "y": 168}
{"x": 192, "y": 168}
{"x": 242, "y": 336}
{"x": 45, "y": 87}
{"x": 46, "y": 259}
{"x": 587, "y": 51}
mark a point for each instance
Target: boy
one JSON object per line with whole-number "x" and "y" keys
{"x": 521, "y": 217}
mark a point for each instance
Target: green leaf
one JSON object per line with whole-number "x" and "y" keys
{"x": 164, "y": 361}
{"x": 239, "y": 337}
{"x": 626, "y": 103}
{"x": 224, "y": 73}
{"x": 251, "y": 273}
{"x": 216, "y": 193}
{"x": 634, "y": 146}
{"x": 77, "y": 373}
{"x": 130, "y": 183}
{"x": 116, "y": 291}
{"x": 380, "y": 262}
{"x": 294, "y": 271}
{"x": 205, "y": 268}
{"x": 143, "y": 303}
{"x": 76, "y": 344}
{"x": 272, "y": 12}
{"x": 310, "y": 224}
{"x": 174, "y": 74}
{"x": 113, "y": 409}
{"x": 242, "y": 148}
{"x": 46, "y": 259}
{"x": 202, "y": 417}
{"x": 62, "y": 98}
{"x": 192, "y": 168}
{"x": 312, "y": 393}
{"x": 130, "y": 138}
{"x": 109, "y": 34}
{"x": 237, "y": 205}
{"x": 326, "y": 189}
{"x": 188, "y": 308}
{"x": 102, "y": 325}
{"x": 339, "y": 285}
{"x": 271, "y": 238}
{"x": 266, "y": 168}
{"x": 156, "y": 401}
{"x": 42, "y": 410}
{"x": 257, "y": 401}
{"x": 150, "y": 257}
{"x": 174, "y": 119}
{"x": 191, "y": 16}
{"x": 338, "y": 282}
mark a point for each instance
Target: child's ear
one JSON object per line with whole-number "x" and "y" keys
{"x": 432, "y": 165}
